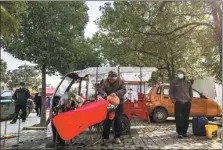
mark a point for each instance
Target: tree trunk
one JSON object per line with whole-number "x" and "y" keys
{"x": 43, "y": 112}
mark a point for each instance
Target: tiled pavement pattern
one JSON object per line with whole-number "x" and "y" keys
{"x": 143, "y": 136}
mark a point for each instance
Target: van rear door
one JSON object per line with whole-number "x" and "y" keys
{"x": 199, "y": 105}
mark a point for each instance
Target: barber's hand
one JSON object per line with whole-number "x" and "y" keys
{"x": 112, "y": 94}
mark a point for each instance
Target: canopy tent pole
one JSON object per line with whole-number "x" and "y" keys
{"x": 96, "y": 86}
{"x": 87, "y": 84}
{"x": 79, "y": 88}
{"x": 118, "y": 71}
{"x": 140, "y": 80}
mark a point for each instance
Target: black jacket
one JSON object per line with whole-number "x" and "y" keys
{"x": 21, "y": 96}
{"x": 118, "y": 88}
{"x": 181, "y": 91}
{"x": 38, "y": 99}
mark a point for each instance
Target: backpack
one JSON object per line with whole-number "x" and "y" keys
{"x": 198, "y": 125}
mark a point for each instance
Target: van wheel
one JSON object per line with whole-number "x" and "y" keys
{"x": 159, "y": 115}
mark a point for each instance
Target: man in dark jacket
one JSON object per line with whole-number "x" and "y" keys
{"x": 38, "y": 102}
{"x": 20, "y": 96}
{"x": 113, "y": 85}
{"x": 181, "y": 94}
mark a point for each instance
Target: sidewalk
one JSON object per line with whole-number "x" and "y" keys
{"x": 13, "y": 128}
{"x": 143, "y": 136}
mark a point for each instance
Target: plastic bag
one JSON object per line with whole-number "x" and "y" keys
{"x": 49, "y": 130}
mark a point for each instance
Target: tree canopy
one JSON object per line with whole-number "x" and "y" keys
{"x": 167, "y": 35}
{"x": 28, "y": 74}
{"x": 50, "y": 37}
{"x": 3, "y": 71}
{"x": 11, "y": 14}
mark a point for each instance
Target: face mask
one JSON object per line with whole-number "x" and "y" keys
{"x": 180, "y": 76}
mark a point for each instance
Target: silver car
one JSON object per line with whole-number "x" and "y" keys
{"x": 8, "y": 105}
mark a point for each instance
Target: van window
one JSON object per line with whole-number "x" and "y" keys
{"x": 159, "y": 90}
{"x": 196, "y": 94}
{"x": 6, "y": 94}
{"x": 166, "y": 90}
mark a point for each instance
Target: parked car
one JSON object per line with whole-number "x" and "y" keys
{"x": 8, "y": 105}
{"x": 160, "y": 105}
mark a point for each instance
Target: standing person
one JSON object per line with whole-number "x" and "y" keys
{"x": 48, "y": 99}
{"x": 38, "y": 102}
{"x": 20, "y": 96}
{"x": 181, "y": 95}
{"x": 113, "y": 85}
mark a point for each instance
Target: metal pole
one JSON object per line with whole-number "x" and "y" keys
{"x": 140, "y": 80}
{"x": 5, "y": 133}
{"x": 56, "y": 140}
{"x": 96, "y": 87}
{"x": 87, "y": 85}
{"x": 18, "y": 131}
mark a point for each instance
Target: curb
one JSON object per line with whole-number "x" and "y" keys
{"x": 34, "y": 128}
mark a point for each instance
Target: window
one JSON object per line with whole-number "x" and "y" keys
{"x": 196, "y": 94}
{"x": 166, "y": 90}
{"x": 158, "y": 90}
{"x": 63, "y": 87}
{"x": 6, "y": 94}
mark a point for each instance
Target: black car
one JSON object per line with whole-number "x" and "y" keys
{"x": 8, "y": 105}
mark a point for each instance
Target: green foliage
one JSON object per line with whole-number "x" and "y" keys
{"x": 11, "y": 14}
{"x": 166, "y": 35}
{"x": 50, "y": 38}
{"x": 3, "y": 71}
{"x": 50, "y": 31}
{"x": 28, "y": 74}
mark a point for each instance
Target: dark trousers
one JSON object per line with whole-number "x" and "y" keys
{"x": 38, "y": 109}
{"x": 117, "y": 123}
{"x": 17, "y": 109}
{"x": 60, "y": 141}
{"x": 182, "y": 114}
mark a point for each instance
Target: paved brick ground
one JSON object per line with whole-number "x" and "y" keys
{"x": 143, "y": 136}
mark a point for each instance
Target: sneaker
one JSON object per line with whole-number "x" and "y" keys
{"x": 105, "y": 141}
{"x": 180, "y": 136}
{"x": 12, "y": 122}
{"x": 117, "y": 141}
{"x": 185, "y": 135}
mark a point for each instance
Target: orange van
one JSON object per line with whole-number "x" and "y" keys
{"x": 160, "y": 105}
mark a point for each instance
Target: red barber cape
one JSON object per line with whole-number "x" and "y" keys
{"x": 70, "y": 124}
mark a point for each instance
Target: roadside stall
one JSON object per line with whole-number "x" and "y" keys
{"x": 135, "y": 78}
{"x": 69, "y": 110}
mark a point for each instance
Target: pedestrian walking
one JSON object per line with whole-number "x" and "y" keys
{"x": 181, "y": 95}
{"x": 38, "y": 102}
{"x": 20, "y": 96}
{"x": 113, "y": 85}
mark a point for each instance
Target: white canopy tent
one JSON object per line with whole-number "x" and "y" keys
{"x": 128, "y": 74}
